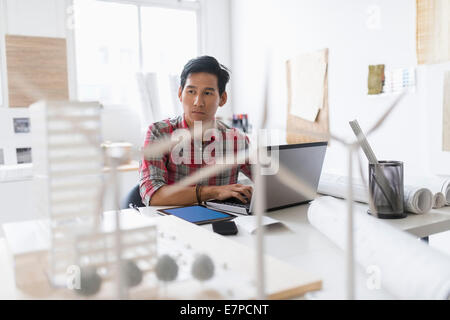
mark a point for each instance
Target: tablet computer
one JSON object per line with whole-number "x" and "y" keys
{"x": 197, "y": 214}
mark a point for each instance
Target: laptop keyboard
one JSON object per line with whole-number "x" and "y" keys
{"x": 234, "y": 202}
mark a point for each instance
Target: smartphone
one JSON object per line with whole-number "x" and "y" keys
{"x": 225, "y": 227}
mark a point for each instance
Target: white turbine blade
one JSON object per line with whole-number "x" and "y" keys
{"x": 350, "y": 257}
{"x": 386, "y": 114}
{"x": 318, "y": 135}
{"x": 265, "y": 99}
{"x": 209, "y": 171}
{"x": 260, "y": 192}
{"x": 198, "y": 176}
{"x": 158, "y": 147}
{"x": 163, "y": 145}
{"x": 295, "y": 183}
{"x": 291, "y": 180}
{"x": 284, "y": 175}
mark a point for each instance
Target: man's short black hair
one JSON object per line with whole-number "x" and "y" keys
{"x": 206, "y": 64}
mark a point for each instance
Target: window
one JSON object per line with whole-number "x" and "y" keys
{"x": 107, "y": 51}
{"x": 114, "y": 41}
{"x": 166, "y": 32}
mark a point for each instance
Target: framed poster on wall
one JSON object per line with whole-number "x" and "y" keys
{"x": 23, "y": 155}
{"x": 21, "y": 125}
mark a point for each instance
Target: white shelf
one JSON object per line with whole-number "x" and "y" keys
{"x": 16, "y": 172}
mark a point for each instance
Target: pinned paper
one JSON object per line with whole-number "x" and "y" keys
{"x": 398, "y": 80}
{"x": 249, "y": 223}
{"x": 300, "y": 130}
{"x": 375, "y": 80}
{"x": 307, "y": 79}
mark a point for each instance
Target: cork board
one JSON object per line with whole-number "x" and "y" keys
{"x": 433, "y": 31}
{"x": 446, "y": 114}
{"x": 36, "y": 69}
{"x": 296, "y": 126}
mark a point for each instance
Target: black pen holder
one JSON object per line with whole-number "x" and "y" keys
{"x": 386, "y": 189}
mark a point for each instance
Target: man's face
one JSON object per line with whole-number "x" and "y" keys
{"x": 200, "y": 97}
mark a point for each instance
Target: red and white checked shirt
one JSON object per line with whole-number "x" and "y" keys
{"x": 159, "y": 171}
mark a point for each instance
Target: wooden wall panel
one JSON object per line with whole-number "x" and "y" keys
{"x": 36, "y": 68}
{"x": 433, "y": 31}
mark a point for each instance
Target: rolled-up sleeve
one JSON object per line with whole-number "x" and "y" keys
{"x": 152, "y": 170}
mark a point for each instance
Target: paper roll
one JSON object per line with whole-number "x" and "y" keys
{"x": 446, "y": 191}
{"x": 409, "y": 269}
{"x": 433, "y": 183}
{"x": 415, "y": 199}
{"x": 438, "y": 200}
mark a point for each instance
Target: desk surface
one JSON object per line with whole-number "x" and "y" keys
{"x": 298, "y": 243}
{"x": 421, "y": 225}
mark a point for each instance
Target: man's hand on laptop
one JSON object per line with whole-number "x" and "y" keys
{"x": 238, "y": 191}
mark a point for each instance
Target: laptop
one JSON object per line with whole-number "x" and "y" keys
{"x": 304, "y": 160}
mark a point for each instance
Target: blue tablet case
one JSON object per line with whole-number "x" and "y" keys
{"x": 198, "y": 214}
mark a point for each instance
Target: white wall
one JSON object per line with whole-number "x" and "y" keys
{"x": 282, "y": 29}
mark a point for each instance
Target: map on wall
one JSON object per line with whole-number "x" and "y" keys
{"x": 23, "y": 155}
{"x": 36, "y": 69}
{"x": 21, "y": 125}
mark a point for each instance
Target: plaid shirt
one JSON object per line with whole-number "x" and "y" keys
{"x": 156, "y": 172}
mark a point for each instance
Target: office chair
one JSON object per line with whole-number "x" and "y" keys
{"x": 132, "y": 197}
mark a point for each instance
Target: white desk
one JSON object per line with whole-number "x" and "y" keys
{"x": 300, "y": 244}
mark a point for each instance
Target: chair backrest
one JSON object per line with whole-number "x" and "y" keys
{"x": 133, "y": 197}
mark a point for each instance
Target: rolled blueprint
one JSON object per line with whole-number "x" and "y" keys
{"x": 408, "y": 268}
{"x": 415, "y": 200}
{"x": 438, "y": 200}
{"x": 433, "y": 183}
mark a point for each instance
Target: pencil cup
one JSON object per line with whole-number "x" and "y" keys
{"x": 386, "y": 189}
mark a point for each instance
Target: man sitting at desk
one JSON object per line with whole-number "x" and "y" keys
{"x": 201, "y": 92}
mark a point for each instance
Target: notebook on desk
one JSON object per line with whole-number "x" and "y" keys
{"x": 304, "y": 160}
